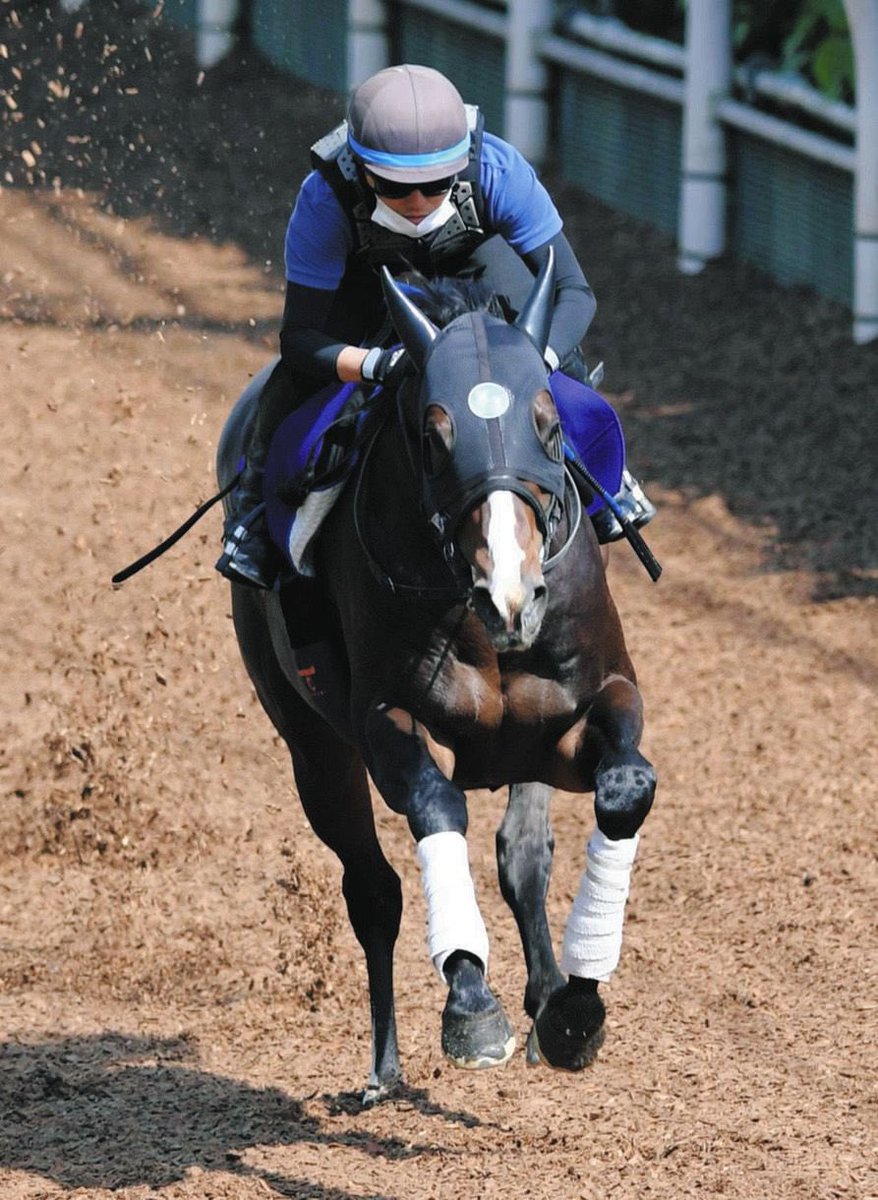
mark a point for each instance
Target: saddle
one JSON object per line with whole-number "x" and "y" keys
{"x": 311, "y": 457}
{"x": 317, "y": 447}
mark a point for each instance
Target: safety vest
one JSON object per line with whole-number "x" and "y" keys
{"x": 375, "y": 246}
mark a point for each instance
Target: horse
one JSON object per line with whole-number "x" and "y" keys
{"x": 474, "y": 644}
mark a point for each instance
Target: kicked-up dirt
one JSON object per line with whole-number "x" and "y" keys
{"x": 183, "y": 1007}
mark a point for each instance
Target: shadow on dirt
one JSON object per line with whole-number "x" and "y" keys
{"x": 728, "y": 384}
{"x": 113, "y": 1111}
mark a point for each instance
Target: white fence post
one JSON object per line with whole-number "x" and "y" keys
{"x": 213, "y": 34}
{"x": 526, "y": 105}
{"x": 368, "y": 45}
{"x": 702, "y": 217}
{"x": 863, "y": 21}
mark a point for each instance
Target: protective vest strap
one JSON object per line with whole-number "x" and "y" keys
{"x": 460, "y": 235}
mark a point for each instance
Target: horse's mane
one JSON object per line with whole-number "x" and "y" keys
{"x": 444, "y": 299}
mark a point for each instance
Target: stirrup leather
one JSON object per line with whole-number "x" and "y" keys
{"x": 234, "y": 537}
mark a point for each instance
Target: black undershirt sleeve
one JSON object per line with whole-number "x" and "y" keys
{"x": 574, "y": 300}
{"x": 308, "y": 352}
{"x": 305, "y": 349}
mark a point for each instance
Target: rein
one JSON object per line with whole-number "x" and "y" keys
{"x": 458, "y": 590}
{"x": 573, "y": 526}
{"x": 172, "y": 539}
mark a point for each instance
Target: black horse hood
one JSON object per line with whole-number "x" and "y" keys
{"x": 496, "y": 443}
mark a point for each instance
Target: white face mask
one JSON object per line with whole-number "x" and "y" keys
{"x": 396, "y": 224}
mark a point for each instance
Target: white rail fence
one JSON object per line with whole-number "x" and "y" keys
{"x": 716, "y": 103}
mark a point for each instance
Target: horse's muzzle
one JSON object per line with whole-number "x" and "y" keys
{"x": 515, "y": 627}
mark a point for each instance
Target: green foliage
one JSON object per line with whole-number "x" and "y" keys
{"x": 808, "y": 37}
{"x": 819, "y": 47}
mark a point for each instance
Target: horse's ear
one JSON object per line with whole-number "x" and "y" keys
{"x": 535, "y": 318}
{"x": 415, "y": 328}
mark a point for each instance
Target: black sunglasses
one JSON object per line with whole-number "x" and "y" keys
{"x": 393, "y": 190}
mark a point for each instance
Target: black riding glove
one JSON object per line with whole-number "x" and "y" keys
{"x": 387, "y": 367}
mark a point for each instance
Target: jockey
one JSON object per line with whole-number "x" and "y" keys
{"x": 410, "y": 180}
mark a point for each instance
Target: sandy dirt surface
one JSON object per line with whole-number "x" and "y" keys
{"x": 183, "y": 1008}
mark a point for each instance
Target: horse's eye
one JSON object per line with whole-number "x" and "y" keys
{"x": 548, "y": 426}
{"x": 438, "y": 440}
{"x": 553, "y": 443}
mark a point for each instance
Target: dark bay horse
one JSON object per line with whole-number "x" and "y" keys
{"x": 479, "y": 647}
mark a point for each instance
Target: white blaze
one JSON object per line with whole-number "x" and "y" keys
{"x": 505, "y": 584}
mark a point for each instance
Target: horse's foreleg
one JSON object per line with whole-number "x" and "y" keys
{"x": 402, "y": 761}
{"x": 569, "y": 1030}
{"x": 524, "y": 860}
{"x": 624, "y": 779}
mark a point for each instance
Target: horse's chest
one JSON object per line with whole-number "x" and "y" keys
{"x": 490, "y": 712}
{"x": 530, "y": 715}
{"x": 476, "y": 697}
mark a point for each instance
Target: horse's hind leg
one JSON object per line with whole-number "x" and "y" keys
{"x": 524, "y": 860}
{"x": 569, "y": 1029}
{"x": 333, "y": 788}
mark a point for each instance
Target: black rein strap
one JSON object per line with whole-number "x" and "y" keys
{"x": 160, "y": 549}
{"x": 456, "y": 590}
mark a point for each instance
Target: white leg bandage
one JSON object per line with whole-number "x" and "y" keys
{"x": 453, "y": 918}
{"x": 593, "y": 938}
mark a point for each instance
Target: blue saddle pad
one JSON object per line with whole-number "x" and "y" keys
{"x": 295, "y": 448}
{"x": 592, "y": 430}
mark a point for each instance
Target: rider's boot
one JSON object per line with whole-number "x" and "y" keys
{"x": 635, "y": 505}
{"x": 249, "y": 555}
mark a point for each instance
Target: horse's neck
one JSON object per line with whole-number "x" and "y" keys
{"x": 398, "y": 522}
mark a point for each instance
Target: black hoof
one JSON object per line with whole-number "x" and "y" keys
{"x": 569, "y": 1030}
{"x": 624, "y": 792}
{"x": 476, "y": 1041}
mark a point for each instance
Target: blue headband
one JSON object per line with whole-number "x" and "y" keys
{"x": 439, "y": 158}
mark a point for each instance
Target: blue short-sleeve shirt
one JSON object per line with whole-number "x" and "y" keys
{"x": 319, "y": 237}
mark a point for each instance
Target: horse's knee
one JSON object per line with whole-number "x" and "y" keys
{"x": 624, "y": 793}
{"x": 409, "y": 779}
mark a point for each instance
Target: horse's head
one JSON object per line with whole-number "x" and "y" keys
{"x": 490, "y": 450}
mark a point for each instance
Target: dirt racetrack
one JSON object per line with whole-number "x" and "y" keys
{"x": 183, "y": 1008}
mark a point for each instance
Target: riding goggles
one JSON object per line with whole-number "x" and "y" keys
{"x": 392, "y": 189}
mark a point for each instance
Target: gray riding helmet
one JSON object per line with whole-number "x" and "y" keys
{"x": 409, "y": 124}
